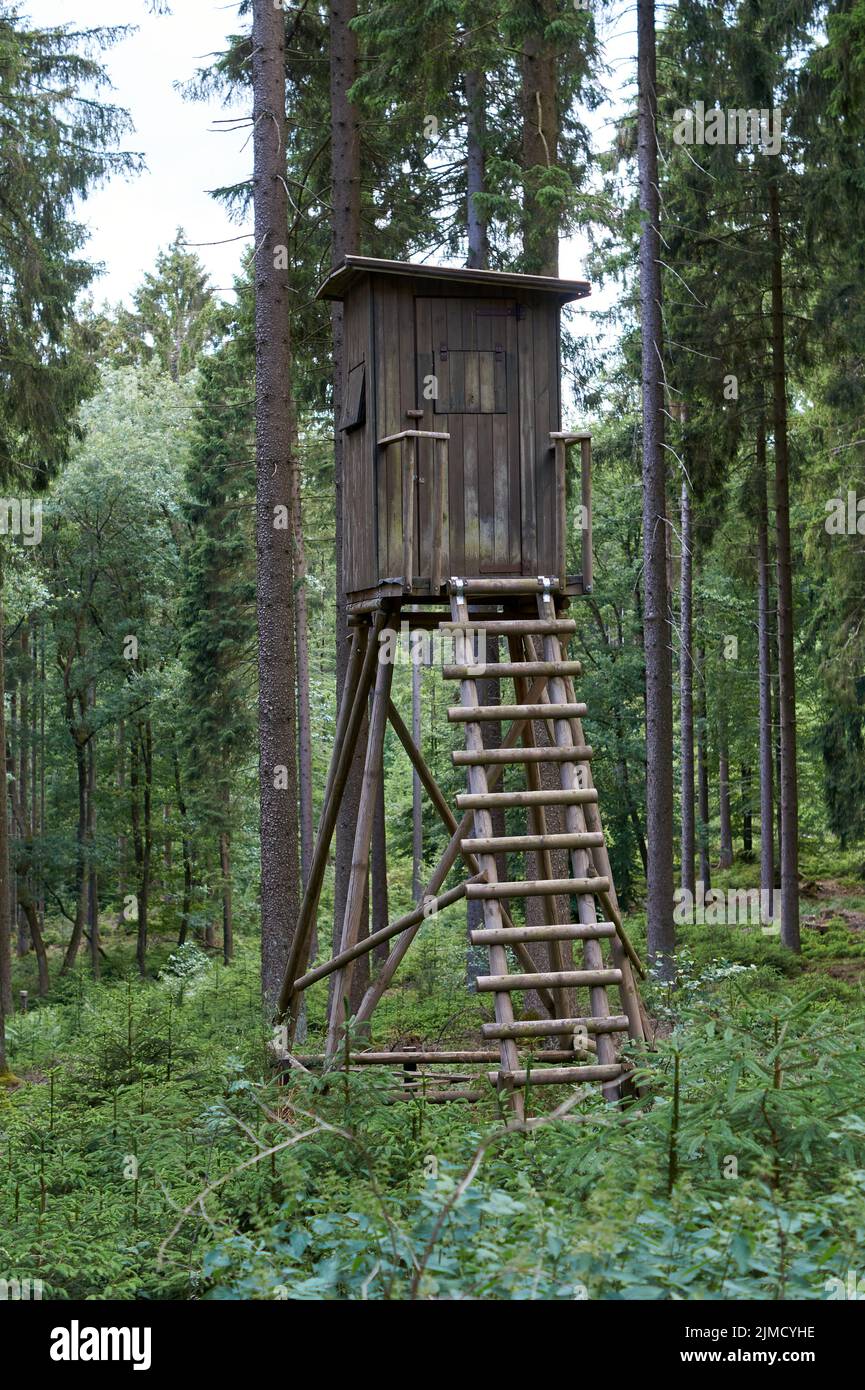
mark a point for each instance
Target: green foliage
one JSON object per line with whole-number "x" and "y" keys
{"x": 56, "y": 143}
{"x": 174, "y": 316}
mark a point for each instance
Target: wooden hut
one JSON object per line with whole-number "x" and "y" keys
{"x": 454, "y": 456}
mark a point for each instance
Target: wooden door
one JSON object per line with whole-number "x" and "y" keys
{"x": 467, "y": 385}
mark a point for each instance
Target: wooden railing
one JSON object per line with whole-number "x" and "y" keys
{"x": 409, "y": 439}
{"x": 562, "y": 440}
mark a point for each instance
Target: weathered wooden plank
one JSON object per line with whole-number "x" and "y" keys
{"x": 561, "y": 931}
{"x": 528, "y": 462}
{"x": 458, "y": 714}
{"x": 493, "y": 800}
{"x": 557, "y": 1076}
{"x": 461, "y": 756}
{"x": 488, "y": 984}
{"x": 553, "y": 1027}
{"x": 516, "y": 844}
{"x": 538, "y": 887}
{"x": 489, "y": 557}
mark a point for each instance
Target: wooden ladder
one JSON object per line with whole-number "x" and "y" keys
{"x": 538, "y": 667}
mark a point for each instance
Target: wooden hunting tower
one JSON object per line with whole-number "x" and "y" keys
{"x": 456, "y": 498}
{"x": 453, "y": 456}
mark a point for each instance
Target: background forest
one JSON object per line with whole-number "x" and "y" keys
{"x": 145, "y": 1149}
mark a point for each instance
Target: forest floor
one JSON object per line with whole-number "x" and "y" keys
{"x": 148, "y": 1151}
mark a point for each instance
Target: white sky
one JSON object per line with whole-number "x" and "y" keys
{"x": 187, "y": 153}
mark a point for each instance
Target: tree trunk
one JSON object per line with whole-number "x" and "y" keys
{"x": 13, "y": 800}
{"x": 686, "y": 694}
{"x": 786, "y": 654}
{"x": 661, "y": 938}
{"x": 345, "y": 227}
{"x": 24, "y": 749}
{"x": 703, "y": 770}
{"x": 28, "y": 907}
{"x": 725, "y": 858}
{"x": 147, "y": 857}
{"x": 41, "y": 903}
{"x": 5, "y": 923}
{"x": 378, "y": 873}
{"x": 274, "y": 431}
{"x": 747, "y": 812}
{"x": 301, "y": 636}
{"x": 138, "y": 844}
{"x": 122, "y": 840}
{"x": 417, "y": 883}
{"x": 186, "y": 851}
{"x": 764, "y": 666}
{"x": 225, "y": 875}
{"x": 476, "y": 219}
{"x": 92, "y": 879}
{"x": 540, "y": 137}
{"x": 79, "y": 741}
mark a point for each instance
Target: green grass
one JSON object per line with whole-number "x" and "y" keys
{"x": 131, "y": 1154}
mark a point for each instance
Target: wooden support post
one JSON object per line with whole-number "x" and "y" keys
{"x": 356, "y": 699}
{"x": 352, "y": 675}
{"x": 409, "y": 470}
{"x": 417, "y": 915}
{"x": 439, "y": 504}
{"x": 357, "y": 884}
{"x": 586, "y": 498}
{"x": 562, "y": 511}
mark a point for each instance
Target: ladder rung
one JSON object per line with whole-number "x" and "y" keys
{"x": 574, "y": 931}
{"x": 551, "y": 979}
{"x": 537, "y": 888}
{"x": 499, "y": 670}
{"x": 552, "y": 1027}
{"x": 490, "y": 801}
{"x": 557, "y": 1076}
{"x": 513, "y": 584}
{"x": 473, "y": 714}
{"x": 511, "y": 844}
{"x": 580, "y": 753}
{"x": 511, "y": 627}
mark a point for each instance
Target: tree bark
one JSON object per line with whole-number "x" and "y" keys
{"x": 764, "y": 667}
{"x": 378, "y": 873}
{"x": 92, "y": 878}
{"x": 686, "y": 693}
{"x": 5, "y": 922}
{"x": 274, "y": 431}
{"x": 24, "y": 748}
{"x": 747, "y": 812}
{"x": 725, "y": 857}
{"x": 79, "y": 741}
{"x": 185, "y": 849}
{"x": 703, "y": 770}
{"x": 417, "y": 883}
{"x": 28, "y": 907}
{"x": 661, "y": 939}
{"x": 474, "y": 86}
{"x": 225, "y": 875}
{"x": 786, "y": 655}
{"x": 540, "y": 137}
{"x": 301, "y": 633}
